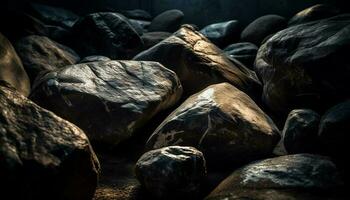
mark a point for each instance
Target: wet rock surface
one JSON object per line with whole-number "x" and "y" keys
{"x": 41, "y": 155}
{"x": 11, "y": 68}
{"x": 295, "y": 65}
{"x": 41, "y": 54}
{"x": 172, "y": 172}
{"x": 244, "y": 52}
{"x": 300, "y": 176}
{"x": 199, "y": 63}
{"x": 223, "y": 123}
{"x": 108, "y": 100}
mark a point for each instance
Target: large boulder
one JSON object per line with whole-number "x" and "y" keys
{"x": 199, "y": 63}
{"x": 108, "y": 34}
{"x": 11, "y": 68}
{"x": 334, "y": 129}
{"x": 262, "y": 27}
{"x": 54, "y": 15}
{"x": 294, "y": 177}
{"x": 300, "y": 131}
{"x": 223, "y": 34}
{"x": 40, "y": 54}
{"x": 137, "y": 14}
{"x": 306, "y": 66}
{"x": 172, "y": 172}
{"x": 41, "y": 155}
{"x": 245, "y": 52}
{"x": 152, "y": 38}
{"x": 222, "y": 122}
{"x": 313, "y": 13}
{"x": 168, "y": 21}
{"x": 108, "y": 100}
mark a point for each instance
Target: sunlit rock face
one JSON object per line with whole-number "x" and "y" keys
{"x": 222, "y": 122}
{"x": 108, "y": 100}
{"x": 41, "y": 155}
{"x": 107, "y": 34}
{"x": 11, "y": 68}
{"x": 295, "y": 177}
{"x": 306, "y": 65}
{"x": 172, "y": 172}
{"x": 316, "y": 12}
{"x": 199, "y": 63}
{"x": 39, "y": 53}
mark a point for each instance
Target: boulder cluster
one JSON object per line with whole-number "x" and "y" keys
{"x": 171, "y": 110}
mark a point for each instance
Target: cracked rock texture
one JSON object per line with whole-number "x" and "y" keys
{"x": 108, "y": 100}
{"x": 222, "y": 122}
{"x": 294, "y": 177}
{"x": 199, "y": 63}
{"x": 41, "y": 155}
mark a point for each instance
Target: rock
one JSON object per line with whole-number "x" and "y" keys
{"x": 316, "y": 12}
{"x": 40, "y": 54}
{"x": 168, "y": 21}
{"x": 295, "y": 65}
{"x": 41, "y": 155}
{"x": 334, "y": 129}
{"x": 107, "y": 34}
{"x": 172, "y": 172}
{"x": 137, "y": 27}
{"x": 137, "y": 14}
{"x": 199, "y": 63}
{"x": 222, "y": 122}
{"x": 300, "y": 132}
{"x": 11, "y": 68}
{"x": 244, "y": 52}
{"x": 141, "y": 23}
{"x": 54, "y": 15}
{"x": 223, "y": 34}
{"x": 108, "y": 100}
{"x": 294, "y": 177}
{"x": 152, "y": 38}
{"x": 94, "y": 59}
{"x": 262, "y": 27}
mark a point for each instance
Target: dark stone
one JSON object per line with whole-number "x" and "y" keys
{"x": 54, "y": 15}
{"x": 40, "y": 54}
{"x": 41, "y": 155}
{"x": 137, "y": 26}
{"x": 262, "y": 27}
{"x": 172, "y": 172}
{"x": 11, "y": 68}
{"x": 141, "y": 24}
{"x": 152, "y": 38}
{"x": 94, "y": 59}
{"x": 109, "y": 100}
{"x": 334, "y": 129}
{"x": 168, "y": 21}
{"x": 244, "y": 52}
{"x": 137, "y": 14}
{"x": 107, "y": 34}
{"x": 199, "y": 63}
{"x": 300, "y": 132}
{"x": 222, "y": 122}
{"x": 306, "y": 66}
{"x": 294, "y": 177}
{"x": 223, "y": 34}
{"x": 316, "y": 12}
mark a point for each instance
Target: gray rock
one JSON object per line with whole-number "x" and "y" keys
{"x": 40, "y": 54}
{"x": 108, "y": 100}
{"x": 244, "y": 52}
{"x": 172, "y": 172}
{"x": 41, "y": 155}
{"x": 11, "y": 68}
{"x": 152, "y": 38}
{"x": 300, "y": 131}
{"x": 107, "y": 34}
{"x": 199, "y": 63}
{"x": 223, "y": 34}
{"x": 262, "y": 27}
{"x": 168, "y": 21}
{"x": 295, "y": 65}
{"x": 294, "y": 177}
{"x": 222, "y": 122}
{"x": 94, "y": 59}
{"x": 137, "y": 14}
